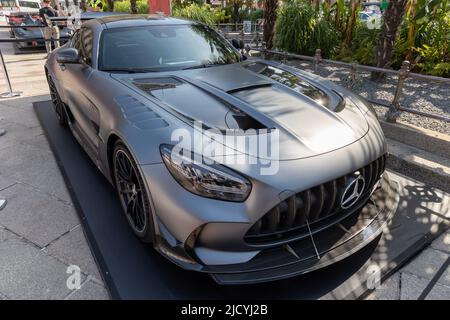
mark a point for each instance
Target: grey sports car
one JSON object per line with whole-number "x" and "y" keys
{"x": 177, "y": 120}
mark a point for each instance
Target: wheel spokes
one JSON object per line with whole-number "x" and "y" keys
{"x": 130, "y": 191}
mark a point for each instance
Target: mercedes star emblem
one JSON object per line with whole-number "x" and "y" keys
{"x": 353, "y": 192}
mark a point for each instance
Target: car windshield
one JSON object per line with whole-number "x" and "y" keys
{"x": 162, "y": 48}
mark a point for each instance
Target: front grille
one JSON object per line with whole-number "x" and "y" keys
{"x": 318, "y": 207}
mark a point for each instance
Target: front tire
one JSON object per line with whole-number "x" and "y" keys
{"x": 132, "y": 193}
{"x": 57, "y": 103}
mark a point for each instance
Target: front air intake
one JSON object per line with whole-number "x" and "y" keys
{"x": 317, "y": 208}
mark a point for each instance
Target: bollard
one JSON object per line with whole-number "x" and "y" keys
{"x": 317, "y": 60}
{"x": 257, "y": 40}
{"x": 2, "y": 203}
{"x": 284, "y": 57}
{"x": 394, "y": 110}
{"x": 242, "y": 39}
{"x": 247, "y": 50}
{"x": 353, "y": 72}
{"x": 10, "y": 93}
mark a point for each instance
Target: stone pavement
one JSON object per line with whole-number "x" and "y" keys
{"x": 41, "y": 235}
{"x": 425, "y": 277}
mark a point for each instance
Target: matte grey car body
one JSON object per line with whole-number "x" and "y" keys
{"x": 330, "y": 147}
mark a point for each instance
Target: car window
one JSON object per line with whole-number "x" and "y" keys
{"x": 82, "y": 40}
{"x": 85, "y": 43}
{"x": 74, "y": 39}
{"x": 164, "y": 47}
{"x": 29, "y": 4}
{"x": 8, "y": 3}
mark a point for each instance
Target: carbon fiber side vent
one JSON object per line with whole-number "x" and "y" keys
{"x": 139, "y": 114}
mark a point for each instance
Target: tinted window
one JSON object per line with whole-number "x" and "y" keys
{"x": 82, "y": 41}
{"x": 74, "y": 40}
{"x": 87, "y": 38}
{"x": 163, "y": 48}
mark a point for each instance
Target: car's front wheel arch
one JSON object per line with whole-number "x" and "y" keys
{"x": 133, "y": 190}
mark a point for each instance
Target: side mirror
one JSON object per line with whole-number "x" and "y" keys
{"x": 237, "y": 43}
{"x": 67, "y": 55}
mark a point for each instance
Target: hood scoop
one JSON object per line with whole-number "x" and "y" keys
{"x": 317, "y": 128}
{"x": 195, "y": 104}
{"x": 326, "y": 98}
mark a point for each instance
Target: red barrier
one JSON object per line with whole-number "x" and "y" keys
{"x": 156, "y": 6}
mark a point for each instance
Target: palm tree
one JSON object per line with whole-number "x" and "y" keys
{"x": 133, "y": 6}
{"x": 270, "y": 17}
{"x": 392, "y": 19}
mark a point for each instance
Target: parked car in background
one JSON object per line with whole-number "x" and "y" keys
{"x": 27, "y": 31}
{"x": 8, "y": 6}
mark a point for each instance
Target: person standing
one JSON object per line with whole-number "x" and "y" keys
{"x": 50, "y": 31}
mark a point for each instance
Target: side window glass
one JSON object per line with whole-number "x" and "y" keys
{"x": 86, "y": 41}
{"x": 74, "y": 39}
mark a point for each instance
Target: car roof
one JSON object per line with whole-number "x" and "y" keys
{"x": 135, "y": 20}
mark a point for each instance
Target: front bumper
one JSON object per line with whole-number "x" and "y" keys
{"x": 298, "y": 257}
{"x": 321, "y": 249}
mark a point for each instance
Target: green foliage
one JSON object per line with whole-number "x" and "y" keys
{"x": 426, "y": 32}
{"x": 124, "y": 6}
{"x": 299, "y": 29}
{"x": 362, "y": 46}
{"x": 204, "y": 13}
{"x": 250, "y": 14}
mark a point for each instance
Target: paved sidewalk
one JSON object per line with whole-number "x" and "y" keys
{"x": 40, "y": 233}
{"x": 426, "y": 277}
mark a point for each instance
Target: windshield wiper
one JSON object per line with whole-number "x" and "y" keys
{"x": 204, "y": 65}
{"x": 129, "y": 70}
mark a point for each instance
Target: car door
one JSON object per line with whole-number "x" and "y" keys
{"x": 79, "y": 89}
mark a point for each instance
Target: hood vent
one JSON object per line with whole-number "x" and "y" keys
{"x": 152, "y": 84}
{"x": 194, "y": 103}
{"x": 297, "y": 84}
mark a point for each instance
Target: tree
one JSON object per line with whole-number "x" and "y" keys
{"x": 133, "y": 6}
{"x": 392, "y": 19}
{"x": 110, "y": 5}
{"x": 351, "y": 22}
{"x": 236, "y": 4}
{"x": 270, "y": 17}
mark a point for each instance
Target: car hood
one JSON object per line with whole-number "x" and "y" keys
{"x": 307, "y": 116}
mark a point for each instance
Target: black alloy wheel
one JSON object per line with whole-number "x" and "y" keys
{"x": 132, "y": 193}
{"x": 57, "y": 103}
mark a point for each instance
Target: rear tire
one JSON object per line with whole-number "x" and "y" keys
{"x": 59, "y": 106}
{"x": 132, "y": 193}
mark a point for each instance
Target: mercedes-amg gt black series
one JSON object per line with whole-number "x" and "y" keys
{"x": 149, "y": 97}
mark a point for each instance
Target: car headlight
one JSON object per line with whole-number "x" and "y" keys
{"x": 206, "y": 180}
